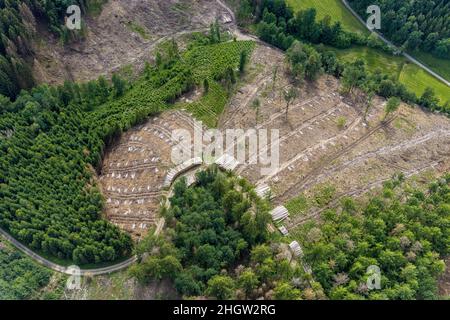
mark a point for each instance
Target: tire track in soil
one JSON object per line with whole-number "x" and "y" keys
{"x": 305, "y": 124}
{"x": 237, "y": 109}
{"x": 304, "y": 152}
{"x": 303, "y": 219}
{"x": 300, "y": 185}
{"x": 386, "y": 150}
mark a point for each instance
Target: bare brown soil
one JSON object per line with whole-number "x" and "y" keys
{"x": 134, "y": 171}
{"x": 314, "y": 149}
{"x": 112, "y": 41}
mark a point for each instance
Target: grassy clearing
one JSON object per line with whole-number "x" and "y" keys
{"x": 417, "y": 80}
{"x": 334, "y": 8}
{"x": 20, "y": 277}
{"x": 441, "y": 66}
{"x": 135, "y": 27}
{"x": 298, "y": 205}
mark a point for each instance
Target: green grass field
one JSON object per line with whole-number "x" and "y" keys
{"x": 441, "y": 66}
{"x": 374, "y": 59}
{"x": 334, "y": 8}
{"x": 210, "y": 106}
{"x": 412, "y": 76}
{"x": 417, "y": 80}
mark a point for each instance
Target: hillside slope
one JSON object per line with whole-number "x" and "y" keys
{"x": 124, "y": 34}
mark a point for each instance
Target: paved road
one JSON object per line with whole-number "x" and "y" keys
{"x": 407, "y": 56}
{"x": 62, "y": 269}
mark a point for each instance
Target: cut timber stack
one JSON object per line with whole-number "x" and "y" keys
{"x": 227, "y": 162}
{"x": 283, "y": 230}
{"x": 185, "y": 166}
{"x": 263, "y": 190}
{"x": 296, "y": 249}
{"x": 279, "y": 214}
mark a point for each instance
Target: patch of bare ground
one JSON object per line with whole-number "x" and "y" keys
{"x": 324, "y": 140}
{"x": 134, "y": 169}
{"x": 120, "y": 286}
{"x": 444, "y": 282}
{"x": 125, "y": 33}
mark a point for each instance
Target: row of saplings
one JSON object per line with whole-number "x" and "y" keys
{"x": 217, "y": 245}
